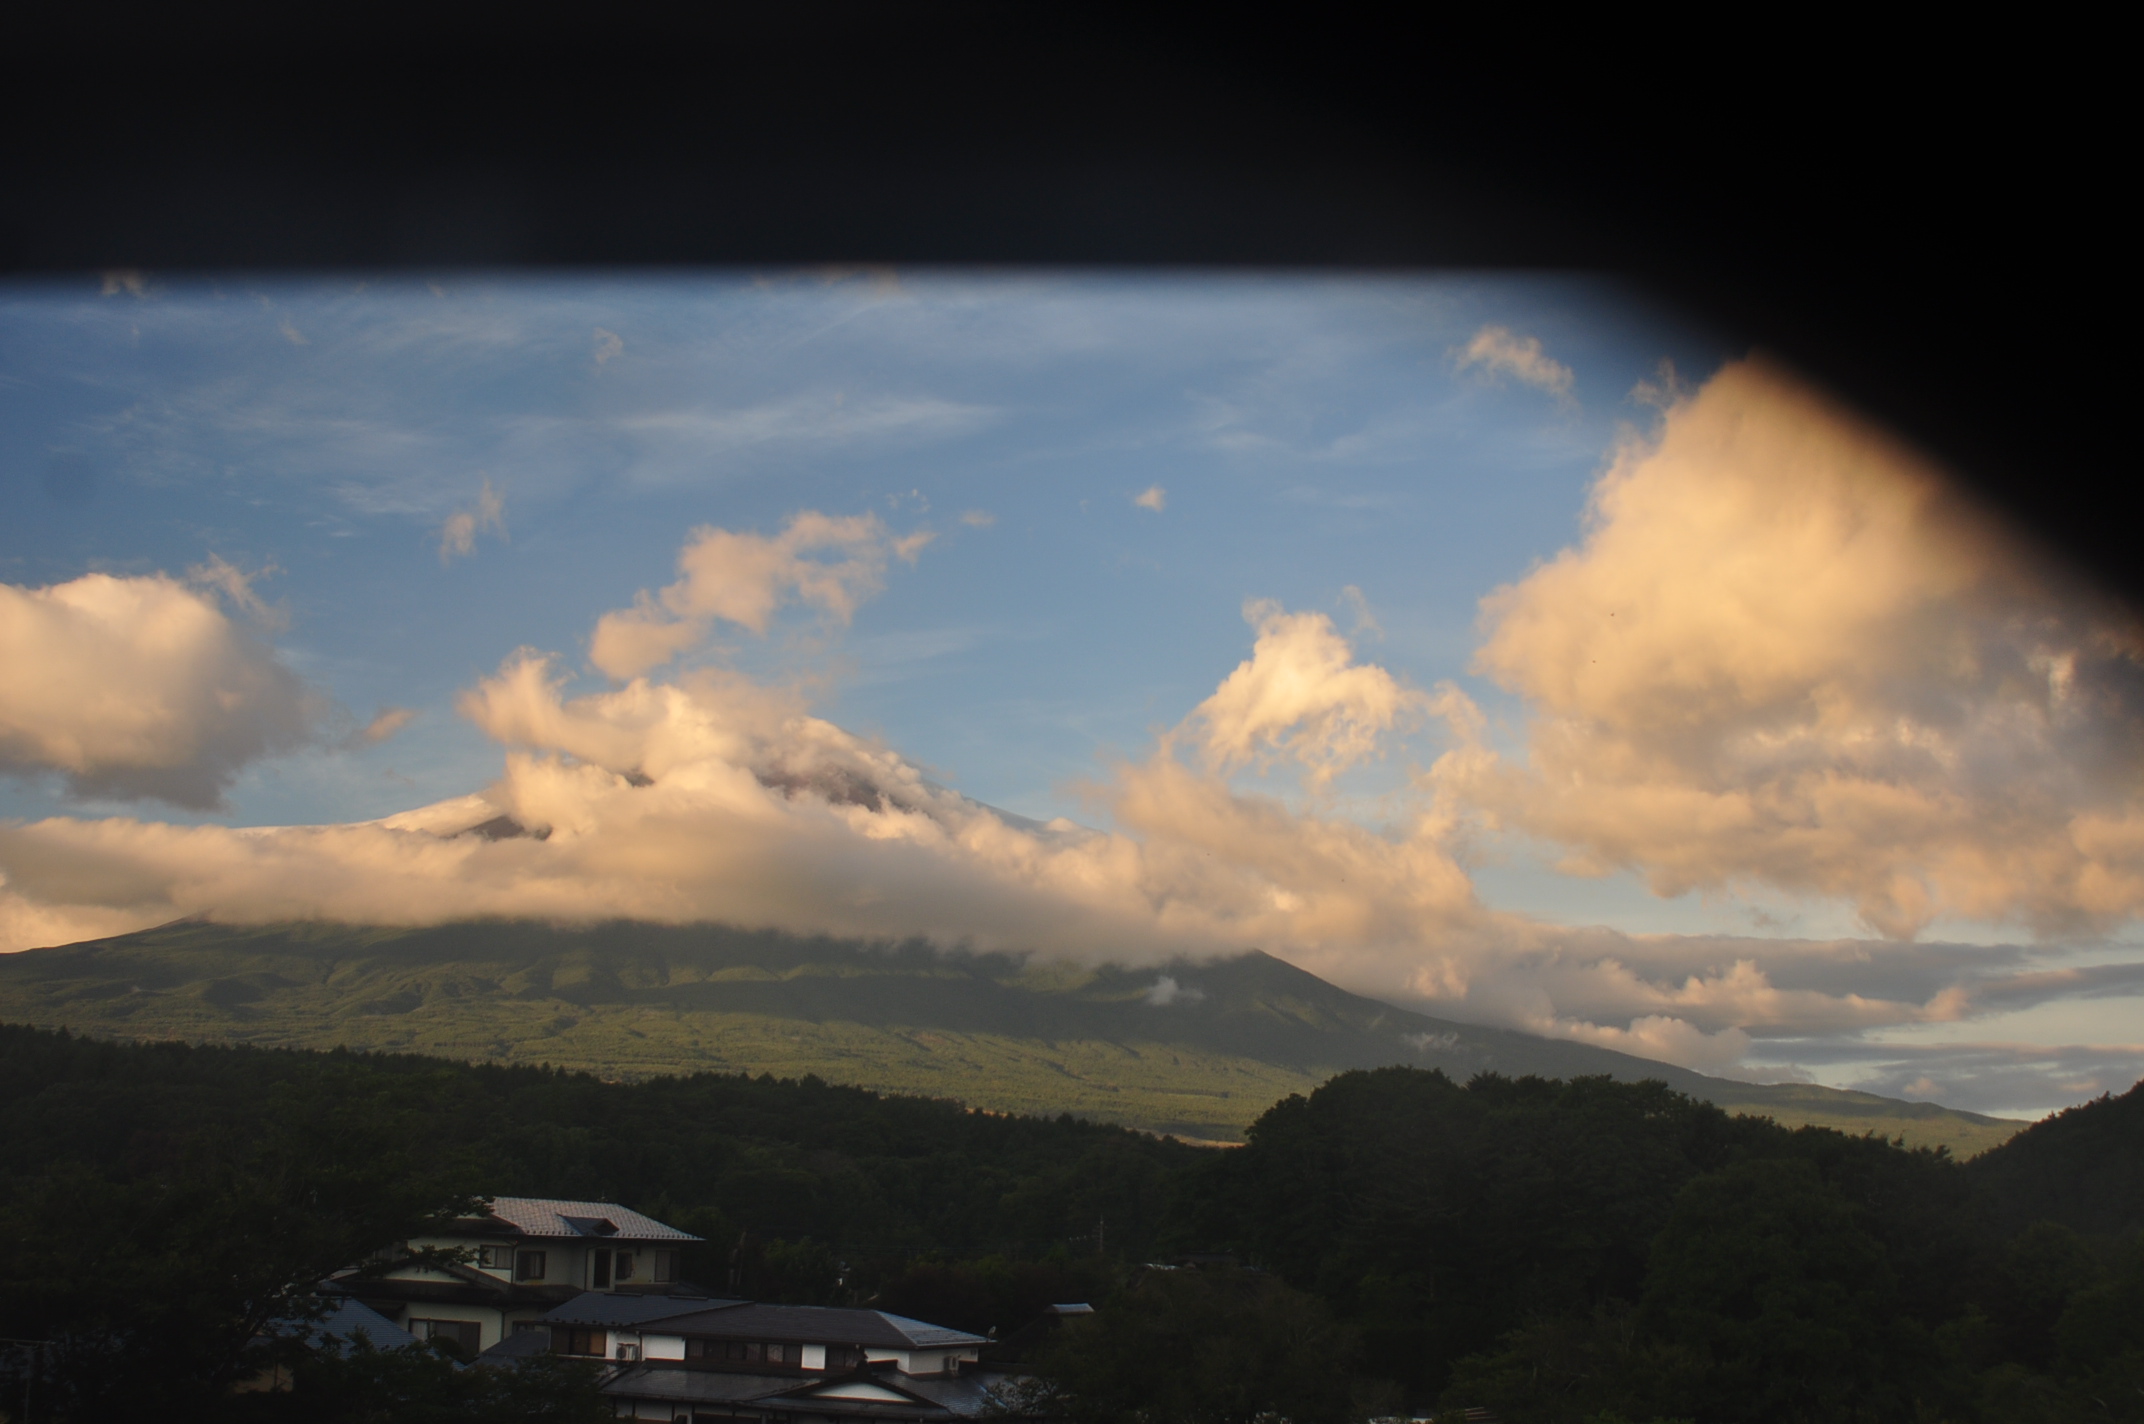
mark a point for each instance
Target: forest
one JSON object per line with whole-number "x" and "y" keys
{"x": 1395, "y": 1243}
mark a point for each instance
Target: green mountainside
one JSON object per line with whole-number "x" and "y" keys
{"x": 1194, "y": 1049}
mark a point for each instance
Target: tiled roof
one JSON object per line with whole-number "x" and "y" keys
{"x": 633, "y": 1308}
{"x": 744, "y": 1320}
{"x": 600, "y": 1221}
{"x": 347, "y": 1320}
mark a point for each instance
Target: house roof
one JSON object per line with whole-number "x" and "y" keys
{"x": 347, "y": 1320}
{"x": 862, "y": 1394}
{"x": 748, "y": 1320}
{"x": 581, "y": 1220}
{"x": 610, "y": 1309}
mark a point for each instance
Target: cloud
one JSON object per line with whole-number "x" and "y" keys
{"x": 141, "y": 687}
{"x": 1153, "y": 497}
{"x": 458, "y": 534}
{"x": 1788, "y": 653}
{"x": 1301, "y": 696}
{"x": 1165, "y": 991}
{"x": 291, "y": 333}
{"x": 1496, "y": 350}
{"x": 236, "y": 585}
{"x": 978, "y": 519}
{"x": 387, "y": 722}
{"x": 607, "y": 345}
{"x": 125, "y": 279}
{"x": 822, "y": 561}
{"x": 708, "y": 795}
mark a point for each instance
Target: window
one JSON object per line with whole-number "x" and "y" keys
{"x": 599, "y": 1270}
{"x": 663, "y": 1266}
{"x": 569, "y": 1341}
{"x": 495, "y": 1258}
{"x": 466, "y": 1336}
{"x": 744, "y": 1352}
{"x": 624, "y": 1270}
{"x": 528, "y": 1266}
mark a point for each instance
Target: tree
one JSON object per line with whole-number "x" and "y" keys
{"x": 1201, "y": 1347}
{"x": 162, "y": 1274}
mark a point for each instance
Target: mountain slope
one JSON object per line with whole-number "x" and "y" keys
{"x": 1199, "y": 1049}
{"x": 2083, "y": 1167}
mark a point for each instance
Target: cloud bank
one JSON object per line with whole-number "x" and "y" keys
{"x": 141, "y": 687}
{"x": 1785, "y": 654}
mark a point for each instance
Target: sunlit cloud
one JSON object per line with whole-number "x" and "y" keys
{"x": 1788, "y": 653}
{"x": 828, "y": 563}
{"x": 1498, "y": 351}
{"x": 142, "y": 687}
{"x": 1153, "y": 497}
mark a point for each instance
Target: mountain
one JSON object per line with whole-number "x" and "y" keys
{"x": 2083, "y": 1167}
{"x": 1195, "y": 1049}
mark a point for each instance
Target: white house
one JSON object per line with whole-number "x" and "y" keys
{"x": 522, "y": 1257}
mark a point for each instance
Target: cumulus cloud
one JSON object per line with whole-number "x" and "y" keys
{"x": 1788, "y": 653}
{"x": 708, "y": 795}
{"x": 1301, "y": 696}
{"x": 827, "y": 562}
{"x": 1501, "y": 353}
{"x": 141, "y": 687}
{"x": 488, "y": 516}
{"x": 1153, "y": 497}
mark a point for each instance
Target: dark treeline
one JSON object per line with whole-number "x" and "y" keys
{"x": 1555, "y": 1251}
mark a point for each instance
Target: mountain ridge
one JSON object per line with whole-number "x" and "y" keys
{"x": 1194, "y": 1048}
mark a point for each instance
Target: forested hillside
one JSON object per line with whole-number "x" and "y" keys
{"x": 1198, "y": 1049}
{"x": 1558, "y": 1251}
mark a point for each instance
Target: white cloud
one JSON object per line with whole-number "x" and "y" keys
{"x": 978, "y": 519}
{"x": 458, "y": 534}
{"x": 1301, "y": 696}
{"x": 822, "y": 561}
{"x": 607, "y": 345}
{"x": 708, "y": 795}
{"x": 1788, "y": 653}
{"x": 1153, "y": 497}
{"x": 1165, "y": 991}
{"x": 1498, "y": 351}
{"x": 136, "y": 687}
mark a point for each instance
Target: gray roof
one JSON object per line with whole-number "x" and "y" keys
{"x": 518, "y": 1345}
{"x": 966, "y": 1396}
{"x": 347, "y": 1320}
{"x": 632, "y": 1308}
{"x": 747, "y": 1320}
{"x": 582, "y": 1220}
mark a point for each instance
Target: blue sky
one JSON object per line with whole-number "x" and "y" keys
{"x": 1309, "y": 436}
{"x": 1320, "y": 442}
